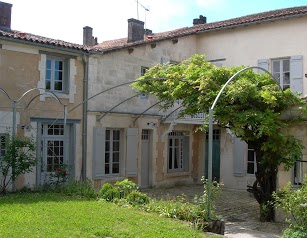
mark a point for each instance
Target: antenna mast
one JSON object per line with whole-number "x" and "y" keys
{"x": 137, "y": 10}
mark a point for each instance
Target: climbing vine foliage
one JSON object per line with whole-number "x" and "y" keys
{"x": 252, "y": 106}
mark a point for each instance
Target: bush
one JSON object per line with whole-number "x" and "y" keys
{"x": 125, "y": 187}
{"x": 80, "y": 188}
{"x": 137, "y": 198}
{"x": 294, "y": 202}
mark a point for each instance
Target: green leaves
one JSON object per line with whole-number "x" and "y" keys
{"x": 252, "y": 105}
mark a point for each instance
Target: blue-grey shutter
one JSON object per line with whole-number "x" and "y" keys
{"x": 186, "y": 153}
{"x": 296, "y": 74}
{"x": 239, "y": 151}
{"x": 263, "y": 63}
{"x": 99, "y": 152}
{"x": 132, "y": 148}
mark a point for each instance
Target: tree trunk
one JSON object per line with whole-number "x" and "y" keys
{"x": 263, "y": 187}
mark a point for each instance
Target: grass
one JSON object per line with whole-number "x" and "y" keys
{"x": 57, "y": 215}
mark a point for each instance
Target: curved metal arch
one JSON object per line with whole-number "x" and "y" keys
{"x": 50, "y": 93}
{"x": 145, "y": 111}
{"x": 120, "y": 85}
{"x": 117, "y": 106}
{"x": 2, "y": 90}
{"x": 171, "y": 113}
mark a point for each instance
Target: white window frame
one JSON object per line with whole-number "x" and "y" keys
{"x": 111, "y": 151}
{"x": 69, "y": 88}
{"x": 143, "y": 71}
{"x": 281, "y": 74}
{"x": 251, "y": 159}
{"x": 172, "y": 146}
{"x": 298, "y": 172}
{"x": 54, "y": 71}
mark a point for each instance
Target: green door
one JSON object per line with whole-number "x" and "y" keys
{"x": 215, "y": 155}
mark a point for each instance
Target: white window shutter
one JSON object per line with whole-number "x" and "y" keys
{"x": 296, "y": 74}
{"x": 263, "y": 63}
{"x": 132, "y": 148}
{"x": 99, "y": 152}
{"x": 186, "y": 153}
{"x": 239, "y": 146}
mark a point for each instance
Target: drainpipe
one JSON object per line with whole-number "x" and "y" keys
{"x": 85, "y": 60}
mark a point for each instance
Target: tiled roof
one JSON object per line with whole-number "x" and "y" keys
{"x": 22, "y": 36}
{"x": 235, "y": 22}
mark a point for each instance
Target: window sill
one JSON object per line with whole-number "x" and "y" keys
{"x": 58, "y": 94}
{"x": 177, "y": 174}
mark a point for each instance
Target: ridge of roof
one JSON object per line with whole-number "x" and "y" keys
{"x": 28, "y": 37}
{"x": 234, "y": 22}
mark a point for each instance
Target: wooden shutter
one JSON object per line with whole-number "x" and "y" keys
{"x": 99, "y": 152}
{"x": 132, "y": 148}
{"x": 239, "y": 150}
{"x": 186, "y": 153}
{"x": 263, "y": 63}
{"x": 296, "y": 74}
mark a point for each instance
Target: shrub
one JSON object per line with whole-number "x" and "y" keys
{"x": 125, "y": 187}
{"x": 137, "y": 198}
{"x": 294, "y": 202}
{"x": 80, "y": 188}
{"x": 19, "y": 158}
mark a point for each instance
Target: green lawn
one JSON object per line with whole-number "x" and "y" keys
{"x": 56, "y": 215}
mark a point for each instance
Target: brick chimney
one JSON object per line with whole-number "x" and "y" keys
{"x": 88, "y": 38}
{"x": 5, "y": 15}
{"x": 135, "y": 30}
{"x": 200, "y": 20}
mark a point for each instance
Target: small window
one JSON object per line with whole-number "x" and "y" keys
{"x": 3, "y": 144}
{"x": 56, "y": 74}
{"x": 281, "y": 72}
{"x": 298, "y": 172}
{"x": 178, "y": 154}
{"x": 112, "y": 152}
{"x": 251, "y": 160}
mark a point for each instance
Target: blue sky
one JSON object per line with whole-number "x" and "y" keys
{"x": 65, "y": 19}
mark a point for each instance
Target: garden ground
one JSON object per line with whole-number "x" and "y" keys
{"x": 238, "y": 208}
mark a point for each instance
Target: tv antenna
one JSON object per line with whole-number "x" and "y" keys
{"x": 137, "y": 10}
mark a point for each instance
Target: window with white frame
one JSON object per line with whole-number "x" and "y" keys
{"x": 298, "y": 172}
{"x": 3, "y": 144}
{"x": 56, "y": 74}
{"x": 178, "y": 154}
{"x": 251, "y": 167}
{"x": 112, "y": 152}
{"x": 281, "y": 71}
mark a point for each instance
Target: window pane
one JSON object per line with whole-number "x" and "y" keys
{"x": 48, "y": 64}
{"x": 115, "y": 168}
{"x": 287, "y": 78}
{"x": 48, "y": 74}
{"x": 176, "y": 158}
{"x": 250, "y": 155}
{"x": 276, "y": 66}
{"x": 107, "y": 134}
{"x": 107, "y": 145}
{"x": 115, "y": 157}
{"x": 286, "y": 65}
{"x": 58, "y": 86}
{"x": 115, "y": 145}
{"x": 116, "y": 135}
{"x": 250, "y": 168}
{"x": 48, "y": 84}
{"x": 107, "y": 157}
{"x": 107, "y": 169}
{"x": 58, "y": 65}
{"x": 170, "y": 142}
{"x": 170, "y": 155}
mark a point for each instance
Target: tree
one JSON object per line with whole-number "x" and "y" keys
{"x": 253, "y": 107}
{"x": 19, "y": 158}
